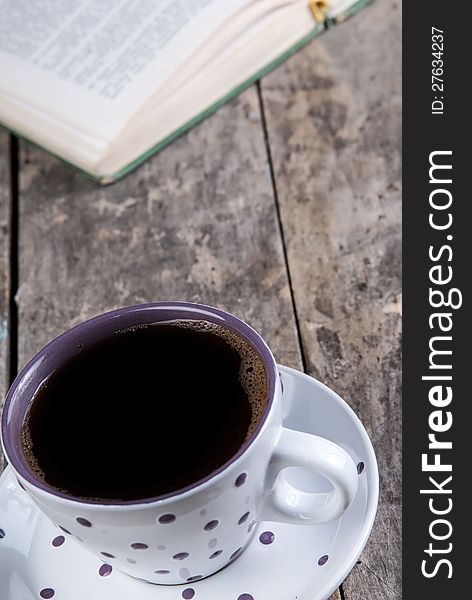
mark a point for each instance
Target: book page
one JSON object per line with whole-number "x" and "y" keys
{"x": 242, "y": 55}
{"x": 93, "y": 63}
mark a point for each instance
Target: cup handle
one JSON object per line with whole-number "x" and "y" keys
{"x": 286, "y": 503}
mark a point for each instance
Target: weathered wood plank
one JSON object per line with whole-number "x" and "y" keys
{"x": 333, "y": 117}
{"x": 196, "y": 223}
{"x": 5, "y": 203}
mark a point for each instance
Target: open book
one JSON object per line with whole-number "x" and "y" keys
{"x": 105, "y": 83}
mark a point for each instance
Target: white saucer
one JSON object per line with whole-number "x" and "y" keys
{"x": 303, "y": 562}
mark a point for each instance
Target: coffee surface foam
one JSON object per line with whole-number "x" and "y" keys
{"x": 252, "y": 372}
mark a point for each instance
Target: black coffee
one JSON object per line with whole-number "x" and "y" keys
{"x": 146, "y": 411}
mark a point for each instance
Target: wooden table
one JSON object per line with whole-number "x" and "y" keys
{"x": 283, "y": 208}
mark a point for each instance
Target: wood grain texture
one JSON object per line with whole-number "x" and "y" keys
{"x": 334, "y": 125}
{"x": 196, "y": 223}
{"x": 5, "y": 203}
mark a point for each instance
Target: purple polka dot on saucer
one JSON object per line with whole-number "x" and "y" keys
{"x": 188, "y": 594}
{"x": 323, "y": 560}
{"x": 181, "y": 556}
{"x": 139, "y": 546}
{"x": 240, "y": 480}
{"x": 83, "y": 522}
{"x": 360, "y": 467}
{"x": 107, "y": 554}
{"x": 47, "y": 593}
{"x": 215, "y": 554}
{"x": 195, "y": 578}
{"x": 162, "y": 572}
{"x": 131, "y": 561}
{"x": 105, "y": 570}
{"x": 167, "y": 519}
{"x": 267, "y": 538}
{"x": 58, "y": 541}
{"x": 245, "y": 597}
{"x": 2, "y": 534}
{"x": 211, "y": 525}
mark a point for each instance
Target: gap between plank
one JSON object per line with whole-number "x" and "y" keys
{"x": 279, "y": 223}
{"x": 14, "y": 261}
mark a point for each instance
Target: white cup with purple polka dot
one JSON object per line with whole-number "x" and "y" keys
{"x": 192, "y": 533}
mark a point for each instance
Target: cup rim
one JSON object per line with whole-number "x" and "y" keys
{"x": 58, "y": 350}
